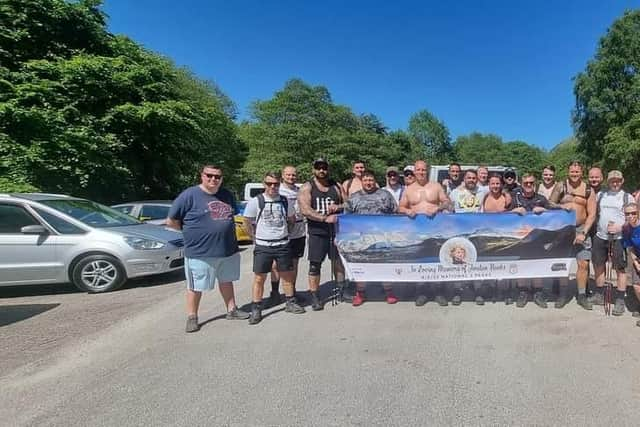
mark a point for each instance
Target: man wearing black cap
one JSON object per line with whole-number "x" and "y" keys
{"x": 510, "y": 182}
{"x": 320, "y": 200}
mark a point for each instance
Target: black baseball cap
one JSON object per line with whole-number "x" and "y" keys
{"x": 320, "y": 161}
{"x": 509, "y": 173}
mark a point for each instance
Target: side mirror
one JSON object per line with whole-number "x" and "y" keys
{"x": 34, "y": 229}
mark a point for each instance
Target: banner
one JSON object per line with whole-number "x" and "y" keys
{"x": 456, "y": 247}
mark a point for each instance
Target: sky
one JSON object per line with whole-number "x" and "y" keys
{"x": 502, "y": 67}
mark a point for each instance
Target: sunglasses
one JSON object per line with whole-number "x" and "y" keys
{"x": 213, "y": 176}
{"x": 271, "y": 184}
{"x": 631, "y": 213}
{"x": 408, "y": 173}
{"x": 321, "y": 167}
{"x": 392, "y": 174}
{"x": 528, "y": 182}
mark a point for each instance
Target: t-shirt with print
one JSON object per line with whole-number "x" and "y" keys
{"x": 631, "y": 238}
{"x": 610, "y": 209}
{"x": 465, "y": 200}
{"x": 298, "y": 230}
{"x": 207, "y": 222}
{"x": 376, "y": 203}
{"x": 271, "y": 229}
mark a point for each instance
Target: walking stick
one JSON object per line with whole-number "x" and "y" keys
{"x": 608, "y": 284}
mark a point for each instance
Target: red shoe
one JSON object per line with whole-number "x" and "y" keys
{"x": 391, "y": 298}
{"x": 358, "y": 299}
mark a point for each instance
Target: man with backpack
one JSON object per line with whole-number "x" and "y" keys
{"x": 575, "y": 194}
{"x": 607, "y": 241}
{"x": 272, "y": 215}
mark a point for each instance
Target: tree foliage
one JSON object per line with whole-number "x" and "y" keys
{"x": 432, "y": 134}
{"x": 563, "y": 154}
{"x": 477, "y": 148}
{"x": 607, "y": 113}
{"x": 96, "y": 115}
{"x": 301, "y": 122}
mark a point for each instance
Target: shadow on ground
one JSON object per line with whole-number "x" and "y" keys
{"x": 15, "y": 313}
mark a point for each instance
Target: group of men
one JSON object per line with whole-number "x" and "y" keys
{"x": 286, "y": 219}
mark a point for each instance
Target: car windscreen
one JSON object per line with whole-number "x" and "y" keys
{"x": 91, "y": 213}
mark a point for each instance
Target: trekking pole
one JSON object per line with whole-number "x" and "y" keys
{"x": 608, "y": 284}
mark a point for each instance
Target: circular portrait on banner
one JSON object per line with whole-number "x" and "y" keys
{"x": 458, "y": 251}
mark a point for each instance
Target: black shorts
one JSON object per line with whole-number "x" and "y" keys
{"x": 600, "y": 253}
{"x": 296, "y": 246}
{"x": 263, "y": 257}
{"x": 319, "y": 248}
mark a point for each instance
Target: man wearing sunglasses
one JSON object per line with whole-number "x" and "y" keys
{"x": 525, "y": 199}
{"x": 409, "y": 175}
{"x": 204, "y": 214}
{"x": 272, "y": 215}
{"x": 631, "y": 242}
{"x": 394, "y": 186}
{"x": 320, "y": 200}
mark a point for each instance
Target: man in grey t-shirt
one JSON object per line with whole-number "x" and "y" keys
{"x": 371, "y": 201}
{"x": 608, "y": 239}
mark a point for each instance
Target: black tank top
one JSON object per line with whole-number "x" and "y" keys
{"x": 320, "y": 201}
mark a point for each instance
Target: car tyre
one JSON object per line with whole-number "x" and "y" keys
{"x": 98, "y": 273}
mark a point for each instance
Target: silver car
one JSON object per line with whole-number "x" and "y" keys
{"x": 150, "y": 211}
{"x": 52, "y": 238}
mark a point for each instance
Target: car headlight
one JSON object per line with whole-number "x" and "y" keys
{"x": 142, "y": 244}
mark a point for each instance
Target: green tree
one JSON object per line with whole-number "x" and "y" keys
{"x": 563, "y": 154}
{"x": 98, "y": 116}
{"x": 433, "y": 134}
{"x": 607, "y": 113}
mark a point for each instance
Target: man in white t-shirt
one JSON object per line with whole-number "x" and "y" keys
{"x": 297, "y": 232}
{"x": 608, "y": 239}
{"x": 394, "y": 186}
{"x": 272, "y": 215}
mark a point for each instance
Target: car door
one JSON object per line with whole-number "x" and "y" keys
{"x": 154, "y": 213}
{"x": 25, "y": 258}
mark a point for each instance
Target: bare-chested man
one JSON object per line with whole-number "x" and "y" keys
{"x": 575, "y": 194}
{"x": 354, "y": 184}
{"x": 497, "y": 201}
{"x": 429, "y": 198}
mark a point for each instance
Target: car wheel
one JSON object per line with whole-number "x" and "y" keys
{"x": 98, "y": 273}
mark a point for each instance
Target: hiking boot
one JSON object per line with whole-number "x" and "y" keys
{"x": 256, "y": 315}
{"x": 316, "y": 304}
{"x": 618, "y": 308}
{"x": 275, "y": 299}
{"x": 479, "y": 300}
{"x": 237, "y": 314}
{"x": 540, "y": 299}
{"x": 421, "y": 300}
{"x": 358, "y": 299}
{"x": 346, "y": 291}
{"x": 442, "y": 301}
{"x": 597, "y": 298}
{"x": 584, "y": 302}
{"x": 192, "y": 324}
{"x": 562, "y": 300}
{"x": 456, "y": 300}
{"x": 522, "y": 300}
{"x": 638, "y": 323}
{"x": 292, "y": 306}
{"x": 635, "y": 314}
{"x": 391, "y": 298}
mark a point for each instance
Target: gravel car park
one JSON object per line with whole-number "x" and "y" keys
{"x": 52, "y": 238}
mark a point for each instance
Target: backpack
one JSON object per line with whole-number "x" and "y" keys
{"x": 262, "y": 202}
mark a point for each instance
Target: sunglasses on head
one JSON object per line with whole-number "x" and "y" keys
{"x": 213, "y": 176}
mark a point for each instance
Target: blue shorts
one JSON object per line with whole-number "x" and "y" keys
{"x": 202, "y": 273}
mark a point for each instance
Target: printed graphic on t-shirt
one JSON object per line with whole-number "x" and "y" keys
{"x": 273, "y": 215}
{"x": 322, "y": 204}
{"x": 219, "y": 210}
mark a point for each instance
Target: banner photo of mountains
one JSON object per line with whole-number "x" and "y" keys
{"x": 456, "y": 246}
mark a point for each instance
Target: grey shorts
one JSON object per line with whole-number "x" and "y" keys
{"x": 582, "y": 251}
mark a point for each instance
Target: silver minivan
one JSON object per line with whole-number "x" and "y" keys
{"x": 52, "y": 238}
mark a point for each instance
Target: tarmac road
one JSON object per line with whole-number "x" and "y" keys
{"x": 123, "y": 359}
